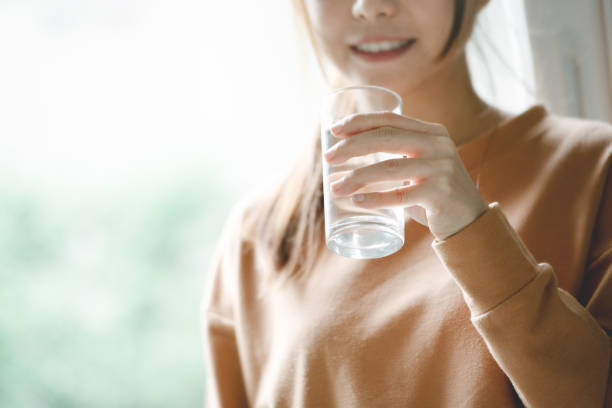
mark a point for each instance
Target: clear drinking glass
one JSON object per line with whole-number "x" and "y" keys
{"x": 353, "y": 231}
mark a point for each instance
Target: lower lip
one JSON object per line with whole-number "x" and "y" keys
{"x": 383, "y": 55}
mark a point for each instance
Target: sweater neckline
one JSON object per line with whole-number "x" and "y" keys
{"x": 472, "y": 153}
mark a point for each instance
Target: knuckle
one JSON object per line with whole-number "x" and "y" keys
{"x": 383, "y": 132}
{"x": 400, "y": 195}
{"x": 405, "y": 195}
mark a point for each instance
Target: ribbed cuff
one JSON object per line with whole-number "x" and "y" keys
{"x": 488, "y": 260}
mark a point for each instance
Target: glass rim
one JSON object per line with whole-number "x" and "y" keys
{"x": 364, "y": 87}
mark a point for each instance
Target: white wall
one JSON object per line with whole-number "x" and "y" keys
{"x": 571, "y": 42}
{"x": 95, "y": 92}
{"x": 499, "y": 55}
{"x": 100, "y": 92}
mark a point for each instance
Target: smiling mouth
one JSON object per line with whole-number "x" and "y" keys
{"x": 381, "y": 52}
{"x": 383, "y": 47}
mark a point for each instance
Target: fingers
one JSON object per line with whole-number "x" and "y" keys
{"x": 400, "y": 197}
{"x": 390, "y": 140}
{"x": 388, "y": 170}
{"x": 361, "y": 122}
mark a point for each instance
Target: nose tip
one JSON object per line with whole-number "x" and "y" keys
{"x": 371, "y": 10}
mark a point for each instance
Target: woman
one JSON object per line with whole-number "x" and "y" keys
{"x": 502, "y": 293}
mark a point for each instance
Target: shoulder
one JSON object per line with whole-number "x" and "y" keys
{"x": 548, "y": 140}
{"x": 244, "y": 213}
{"x": 578, "y": 136}
{"x": 581, "y": 155}
{"x": 555, "y": 141}
{"x": 229, "y": 248}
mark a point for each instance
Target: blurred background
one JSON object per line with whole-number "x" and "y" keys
{"x": 128, "y": 131}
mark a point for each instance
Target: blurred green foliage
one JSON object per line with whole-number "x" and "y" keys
{"x": 100, "y": 290}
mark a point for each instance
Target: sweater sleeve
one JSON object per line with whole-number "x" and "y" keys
{"x": 552, "y": 349}
{"x": 224, "y": 382}
{"x": 596, "y": 292}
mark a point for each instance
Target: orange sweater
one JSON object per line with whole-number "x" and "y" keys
{"x": 513, "y": 310}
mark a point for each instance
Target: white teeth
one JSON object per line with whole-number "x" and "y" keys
{"x": 381, "y": 46}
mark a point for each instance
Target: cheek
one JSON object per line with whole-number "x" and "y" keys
{"x": 434, "y": 19}
{"x": 325, "y": 17}
{"x": 328, "y": 19}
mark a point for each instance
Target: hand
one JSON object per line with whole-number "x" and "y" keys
{"x": 441, "y": 186}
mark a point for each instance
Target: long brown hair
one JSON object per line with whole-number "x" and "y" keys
{"x": 285, "y": 227}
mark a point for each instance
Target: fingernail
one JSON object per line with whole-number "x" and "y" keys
{"x": 330, "y": 153}
{"x": 359, "y": 197}
{"x": 337, "y": 128}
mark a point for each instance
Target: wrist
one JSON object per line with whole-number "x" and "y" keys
{"x": 476, "y": 214}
